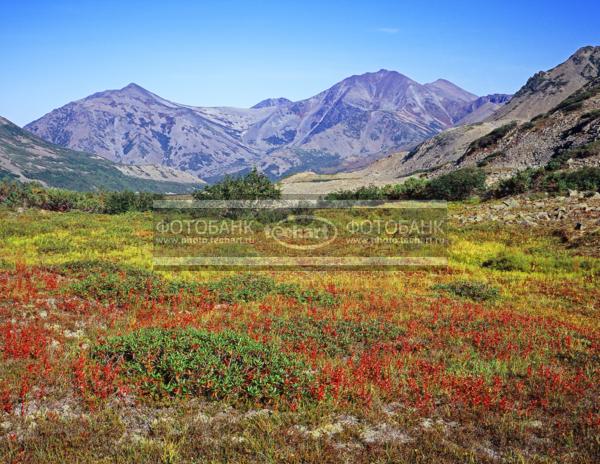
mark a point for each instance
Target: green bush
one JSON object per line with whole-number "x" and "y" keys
{"x": 489, "y": 158}
{"x": 413, "y": 188}
{"x": 490, "y": 139}
{"x": 335, "y": 337}
{"x": 521, "y": 182}
{"x": 252, "y": 186}
{"x": 32, "y": 195}
{"x": 370, "y": 192}
{"x": 576, "y": 100}
{"x": 255, "y": 287}
{"x": 478, "y": 291}
{"x": 508, "y": 262}
{"x": 306, "y": 296}
{"x": 242, "y": 287}
{"x": 108, "y": 282}
{"x": 457, "y": 185}
{"x": 587, "y": 178}
{"x": 122, "y": 202}
{"x": 192, "y": 362}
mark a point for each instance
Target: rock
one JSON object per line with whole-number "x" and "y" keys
{"x": 511, "y": 203}
{"x": 43, "y": 314}
{"x": 384, "y": 433}
{"x": 203, "y": 418}
{"x": 574, "y": 194}
{"x": 543, "y": 215}
{"x": 536, "y": 424}
{"x": 498, "y": 206}
{"x": 70, "y": 334}
{"x": 258, "y": 413}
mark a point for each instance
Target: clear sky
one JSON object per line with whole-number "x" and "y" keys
{"x": 236, "y": 53}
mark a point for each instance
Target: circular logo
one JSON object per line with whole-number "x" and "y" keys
{"x": 303, "y": 232}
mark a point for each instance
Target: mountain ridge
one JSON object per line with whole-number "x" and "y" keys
{"x": 27, "y": 158}
{"x": 357, "y": 120}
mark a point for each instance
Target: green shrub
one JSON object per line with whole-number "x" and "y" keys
{"x": 370, "y": 192}
{"x": 255, "y": 287}
{"x": 457, "y": 185}
{"x": 576, "y": 100}
{"x": 508, "y": 262}
{"x": 306, "y": 296}
{"x": 491, "y": 139}
{"x": 122, "y": 202}
{"x": 192, "y": 362}
{"x": 413, "y": 188}
{"x": 560, "y": 159}
{"x": 587, "y": 178}
{"x": 32, "y": 195}
{"x": 520, "y": 182}
{"x": 478, "y": 291}
{"x": 109, "y": 282}
{"x": 242, "y": 287}
{"x": 335, "y": 337}
{"x": 252, "y": 186}
{"x": 489, "y": 158}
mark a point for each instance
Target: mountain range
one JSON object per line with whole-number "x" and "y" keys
{"x": 25, "y": 157}
{"x": 358, "y": 120}
{"x": 554, "y": 117}
{"x": 377, "y": 128}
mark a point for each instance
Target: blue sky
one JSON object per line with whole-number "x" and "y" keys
{"x": 236, "y": 53}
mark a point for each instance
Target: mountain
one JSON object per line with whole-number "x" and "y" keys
{"x": 356, "y": 121}
{"x": 269, "y": 102}
{"x": 508, "y": 131}
{"x": 25, "y": 157}
{"x": 134, "y": 126}
{"x": 567, "y": 135}
{"x": 359, "y": 119}
{"x": 546, "y": 89}
{"x": 484, "y": 107}
{"x": 442, "y": 149}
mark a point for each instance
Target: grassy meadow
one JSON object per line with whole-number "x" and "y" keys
{"x": 495, "y": 358}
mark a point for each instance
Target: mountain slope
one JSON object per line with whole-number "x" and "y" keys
{"x": 357, "y": 120}
{"x": 26, "y": 157}
{"x": 482, "y": 108}
{"x": 134, "y": 126}
{"x": 568, "y": 134}
{"x": 542, "y": 92}
{"x": 546, "y": 89}
{"x": 360, "y": 119}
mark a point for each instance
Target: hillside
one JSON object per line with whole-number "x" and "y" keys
{"x": 565, "y": 101}
{"x": 546, "y": 89}
{"x": 354, "y": 122}
{"x": 568, "y": 134}
{"x": 25, "y": 157}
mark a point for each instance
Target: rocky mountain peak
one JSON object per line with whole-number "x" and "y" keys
{"x": 546, "y": 89}
{"x": 270, "y": 102}
{"x": 450, "y": 89}
{"x": 359, "y": 119}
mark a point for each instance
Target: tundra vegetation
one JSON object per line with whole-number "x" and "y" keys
{"x": 495, "y": 358}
